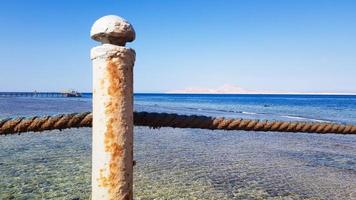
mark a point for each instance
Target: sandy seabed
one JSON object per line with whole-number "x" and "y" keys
{"x": 186, "y": 164}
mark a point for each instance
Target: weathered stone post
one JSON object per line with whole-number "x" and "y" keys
{"x": 112, "y": 156}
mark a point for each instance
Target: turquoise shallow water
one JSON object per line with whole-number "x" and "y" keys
{"x": 187, "y": 163}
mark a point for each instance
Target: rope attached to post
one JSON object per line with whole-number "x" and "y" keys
{"x": 158, "y": 120}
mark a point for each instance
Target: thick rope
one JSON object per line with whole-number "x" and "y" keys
{"x": 157, "y": 120}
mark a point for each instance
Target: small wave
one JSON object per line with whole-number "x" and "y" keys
{"x": 295, "y": 117}
{"x": 249, "y": 113}
{"x": 304, "y": 118}
{"x": 208, "y": 109}
{"x": 229, "y": 111}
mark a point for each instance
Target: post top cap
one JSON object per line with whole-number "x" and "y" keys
{"x": 112, "y": 29}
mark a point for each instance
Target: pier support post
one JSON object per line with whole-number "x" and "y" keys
{"x": 112, "y": 154}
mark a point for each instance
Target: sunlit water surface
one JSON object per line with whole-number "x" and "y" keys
{"x": 186, "y": 163}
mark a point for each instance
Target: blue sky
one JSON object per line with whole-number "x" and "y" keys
{"x": 275, "y": 45}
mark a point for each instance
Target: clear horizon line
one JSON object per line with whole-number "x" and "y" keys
{"x": 185, "y": 93}
{"x": 274, "y": 93}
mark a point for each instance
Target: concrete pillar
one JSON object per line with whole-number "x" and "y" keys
{"x": 112, "y": 156}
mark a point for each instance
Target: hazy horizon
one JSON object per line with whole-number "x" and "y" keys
{"x": 218, "y": 90}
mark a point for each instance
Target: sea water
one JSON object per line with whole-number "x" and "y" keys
{"x": 190, "y": 163}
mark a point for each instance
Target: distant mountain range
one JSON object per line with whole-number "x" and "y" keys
{"x": 233, "y": 89}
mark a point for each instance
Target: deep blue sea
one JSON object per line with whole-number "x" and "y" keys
{"x": 190, "y": 163}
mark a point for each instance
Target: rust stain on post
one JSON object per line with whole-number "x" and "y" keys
{"x": 112, "y": 172}
{"x": 117, "y": 143}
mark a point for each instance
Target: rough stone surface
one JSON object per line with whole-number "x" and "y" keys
{"x": 112, "y": 156}
{"x": 112, "y": 122}
{"x": 109, "y": 50}
{"x": 112, "y": 29}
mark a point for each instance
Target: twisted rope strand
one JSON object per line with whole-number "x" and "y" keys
{"x": 158, "y": 120}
